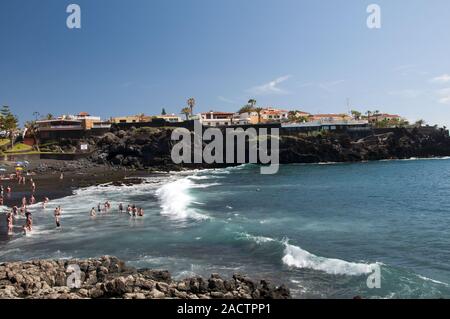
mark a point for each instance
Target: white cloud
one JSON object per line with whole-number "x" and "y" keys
{"x": 226, "y": 100}
{"x": 271, "y": 87}
{"x": 407, "y": 93}
{"x": 443, "y": 96}
{"x": 444, "y": 78}
{"x": 405, "y": 67}
{"x": 328, "y": 86}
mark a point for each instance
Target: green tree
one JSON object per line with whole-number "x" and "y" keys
{"x": 356, "y": 114}
{"x": 8, "y": 122}
{"x": 163, "y": 112}
{"x": 258, "y": 110}
{"x": 49, "y": 116}
{"x": 191, "y": 104}
{"x": 186, "y": 111}
{"x": 252, "y": 103}
{"x": 246, "y": 109}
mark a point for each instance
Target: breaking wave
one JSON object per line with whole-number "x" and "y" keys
{"x": 295, "y": 256}
{"x": 176, "y": 200}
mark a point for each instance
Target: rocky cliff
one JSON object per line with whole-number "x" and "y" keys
{"x": 109, "y": 277}
{"x": 151, "y": 147}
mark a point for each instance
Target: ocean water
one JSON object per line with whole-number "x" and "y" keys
{"x": 320, "y": 229}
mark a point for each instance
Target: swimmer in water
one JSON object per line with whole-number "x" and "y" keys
{"x": 93, "y": 213}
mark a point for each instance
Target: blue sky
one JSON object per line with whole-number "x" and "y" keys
{"x": 142, "y": 55}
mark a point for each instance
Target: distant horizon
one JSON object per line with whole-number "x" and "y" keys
{"x": 140, "y": 57}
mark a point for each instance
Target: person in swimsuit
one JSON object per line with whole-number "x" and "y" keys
{"x": 58, "y": 216}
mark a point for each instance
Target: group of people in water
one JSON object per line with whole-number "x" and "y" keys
{"x": 132, "y": 210}
{"x": 14, "y": 213}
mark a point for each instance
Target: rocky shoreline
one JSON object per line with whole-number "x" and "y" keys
{"x": 109, "y": 277}
{"x": 150, "y": 148}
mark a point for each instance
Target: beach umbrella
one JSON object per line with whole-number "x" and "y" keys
{"x": 2, "y": 169}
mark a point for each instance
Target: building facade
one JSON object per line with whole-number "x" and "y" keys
{"x": 216, "y": 118}
{"x": 272, "y": 115}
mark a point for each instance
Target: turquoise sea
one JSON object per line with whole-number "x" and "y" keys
{"x": 320, "y": 229}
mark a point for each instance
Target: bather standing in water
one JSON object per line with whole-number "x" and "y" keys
{"x": 9, "y": 222}
{"x": 58, "y": 216}
{"x": 45, "y": 202}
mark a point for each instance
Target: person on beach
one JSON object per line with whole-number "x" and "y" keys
{"x": 24, "y": 201}
{"x": 61, "y": 177}
{"x": 134, "y": 211}
{"x": 93, "y": 213}
{"x": 15, "y": 210}
{"x": 33, "y": 187}
{"x": 1, "y": 200}
{"x": 8, "y": 190}
{"x": 32, "y": 200}
{"x": 121, "y": 207}
{"x": 99, "y": 208}
{"x": 141, "y": 212}
{"x": 58, "y": 216}
{"x": 129, "y": 210}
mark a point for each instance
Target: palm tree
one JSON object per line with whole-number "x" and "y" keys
{"x": 246, "y": 109}
{"x": 186, "y": 111}
{"x": 49, "y": 116}
{"x": 36, "y": 115}
{"x": 368, "y": 113}
{"x": 191, "y": 104}
{"x": 258, "y": 110}
{"x": 252, "y": 103}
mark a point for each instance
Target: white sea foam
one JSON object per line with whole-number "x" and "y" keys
{"x": 433, "y": 280}
{"x": 199, "y": 177}
{"x": 256, "y": 239}
{"x": 175, "y": 200}
{"x": 295, "y": 256}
